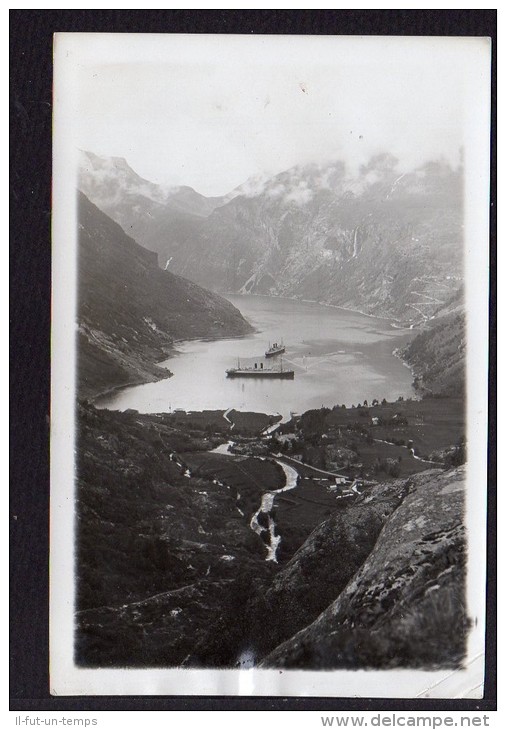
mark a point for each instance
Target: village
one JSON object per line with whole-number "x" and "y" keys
{"x": 290, "y": 474}
{"x": 343, "y": 446}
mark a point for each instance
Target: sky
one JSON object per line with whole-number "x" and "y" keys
{"x": 212, "y": 111}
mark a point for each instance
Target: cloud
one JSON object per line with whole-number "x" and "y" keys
{"x": 233, "y": 114}
{"x": 300, "y": 195}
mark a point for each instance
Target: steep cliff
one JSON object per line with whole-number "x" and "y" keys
{"x": 322, "y": 567}
{"x": 405, "y": 606}
{"x": 381, "y": 240}
{"x": 164, "y": 553}
{"x": 146, "y": 211}
{"x": 437, "y": 355}
{"x": 130, "y": 311}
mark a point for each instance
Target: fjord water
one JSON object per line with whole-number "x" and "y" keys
{"x": 338, "y": 357}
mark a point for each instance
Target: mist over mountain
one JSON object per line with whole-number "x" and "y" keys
{"x": 292, "y": 494}
{"x": 130, "y": 311}
{"x": 380, "y": 240}
{"x": 142, "y": 208}
{"x": 172, "y": 571}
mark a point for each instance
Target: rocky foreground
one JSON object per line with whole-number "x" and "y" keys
{"x": 404, "y": 606}
{"x": 170, "y": 572}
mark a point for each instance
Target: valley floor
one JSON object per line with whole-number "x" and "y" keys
{"x": 191, "y": 557}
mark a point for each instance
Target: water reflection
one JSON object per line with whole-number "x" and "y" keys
{"x": 338, "y": 357}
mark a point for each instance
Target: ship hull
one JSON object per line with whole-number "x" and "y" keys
{"x": 284, "y": 374}
{"x": 273, "y": 353}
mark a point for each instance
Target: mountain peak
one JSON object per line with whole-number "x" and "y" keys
{"x": 121, "y": 163}
{"x": 130, "y": 200}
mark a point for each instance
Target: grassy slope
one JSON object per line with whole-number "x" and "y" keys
{"x": 437, "y": 356}
{"x": 324, "y": 563}
{"x": 429, "y": 426}
{"x": 161, "y": 554}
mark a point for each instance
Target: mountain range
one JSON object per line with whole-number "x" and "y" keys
{"x": 130, "y": 311}
{"x": 380, "y": 240}
{"x": 171, "y": 572}
{"x": 140, "y": 207}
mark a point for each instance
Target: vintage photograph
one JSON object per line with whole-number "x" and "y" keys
{"x": 269, "y": 347}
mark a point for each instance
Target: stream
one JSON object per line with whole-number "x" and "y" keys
{"x": 266, "y": 507}
{"x": 267, "y": 503}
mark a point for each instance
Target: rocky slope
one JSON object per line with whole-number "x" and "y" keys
{"x": 383, "y": 241}
{"x": 437, "y": 355}
{"x": 171, "y": 573}
{"x": 405, "y": 606}
{"x": 322, "y": 567}
{"x": 164, "y": 555}
{"x": 130, "y": 311}
{"x": 143, "y": 209}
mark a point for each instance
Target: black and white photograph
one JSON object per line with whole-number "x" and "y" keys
{"x": 269, "y": 348}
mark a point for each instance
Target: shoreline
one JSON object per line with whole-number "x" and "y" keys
{"x": 215, "y": 339}
{"x": 114, "y": 388}
{"x": 398, "y": 322}
{"x": 160, "y": 364}
{"x": 397, "y": 353}
{"x": 174, "y": 351}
